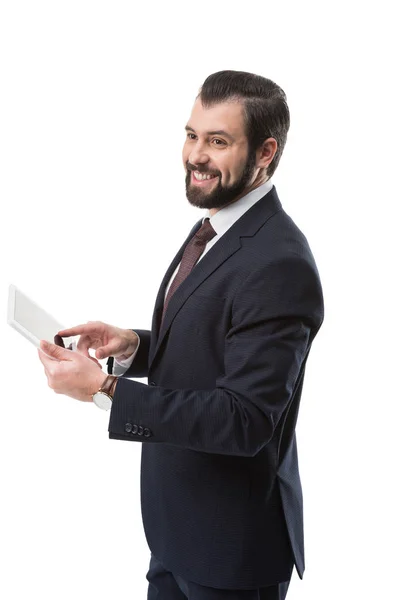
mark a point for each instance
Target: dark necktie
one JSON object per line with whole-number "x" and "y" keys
{"x": 191, "y": 255}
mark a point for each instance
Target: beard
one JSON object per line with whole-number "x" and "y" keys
{"x": 220, "y": 195}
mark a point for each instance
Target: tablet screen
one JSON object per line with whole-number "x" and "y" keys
{"x": 30, "y": 320}
{"x": 34, "y": 319}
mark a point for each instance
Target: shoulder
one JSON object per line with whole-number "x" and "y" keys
{"x": 282, "y": 277}
{"x": 279, "y": 240}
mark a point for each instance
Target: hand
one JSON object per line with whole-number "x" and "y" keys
{"x": 106, "y": 339}
{"x": 70, "y": 373}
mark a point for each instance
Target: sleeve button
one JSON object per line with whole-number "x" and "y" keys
{"x": 128, "y": 427}
{"x": 140, "y": 430}
{"x": 134, "y": 429}
{"x": 147, "y": 432}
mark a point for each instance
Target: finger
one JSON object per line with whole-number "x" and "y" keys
{"x": 89, "y": 327}
{"x": 43, "y": 358}
{"x": 95, "y": 361}
{"x": 46, "y": 360}
{"x": 55, "y": 351}
{"x": 83, "y": 345}
{"x": 46, "y": 366}
{"x": 108, "y": 350}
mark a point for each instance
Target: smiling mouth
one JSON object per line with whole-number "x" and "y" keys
{"x": 202, "y": 178}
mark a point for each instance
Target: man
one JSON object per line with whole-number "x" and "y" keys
{"x": 233, "y": 325}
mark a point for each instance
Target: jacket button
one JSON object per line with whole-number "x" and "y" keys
{"x": 140, "y": 430}
{"x": 134, "y": 429}
{"x": 152, "y": 383}
{"x": 147, "y": 432}
{"x": 128, "y": 427}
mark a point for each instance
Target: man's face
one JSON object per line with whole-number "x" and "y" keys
{"x": 216, "y": 145}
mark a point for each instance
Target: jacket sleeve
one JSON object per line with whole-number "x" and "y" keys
{"x": 276, "y": 313}
{"x": 139, "y": 366}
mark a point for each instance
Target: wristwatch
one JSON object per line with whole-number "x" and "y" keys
{"x": 104, "y": 396}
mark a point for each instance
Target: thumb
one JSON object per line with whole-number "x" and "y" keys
{"x": 108, "y": 350}
{"x": 55, "y": 351}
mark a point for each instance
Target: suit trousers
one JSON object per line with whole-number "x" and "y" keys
{"x": 164, "y": 585}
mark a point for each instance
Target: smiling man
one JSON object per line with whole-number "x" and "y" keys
{"x": 233, "y": 324}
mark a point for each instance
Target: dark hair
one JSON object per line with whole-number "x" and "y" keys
{"x": 266, "y": 113}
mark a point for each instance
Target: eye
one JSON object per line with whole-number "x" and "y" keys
{"x": 222, "y": 143}
{"x": 189, "y": 134}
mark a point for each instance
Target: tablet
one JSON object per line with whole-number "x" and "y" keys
{"x": 33, "y": 322}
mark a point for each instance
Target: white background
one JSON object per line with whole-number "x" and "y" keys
{"x": 94, "y": 99}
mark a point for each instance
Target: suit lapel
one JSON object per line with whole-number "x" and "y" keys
{"x": 229, "y": 243}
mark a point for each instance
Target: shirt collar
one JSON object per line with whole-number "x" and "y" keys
{"x": 226, "y": 216}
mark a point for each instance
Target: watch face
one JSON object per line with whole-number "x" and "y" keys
{"x": 102, "y": 400}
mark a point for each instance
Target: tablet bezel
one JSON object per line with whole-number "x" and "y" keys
{"x": 11, "y": 320}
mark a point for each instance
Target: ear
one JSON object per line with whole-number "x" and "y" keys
{"x": 266, "y": 153}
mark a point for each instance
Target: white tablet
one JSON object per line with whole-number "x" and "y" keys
{"x": 33, "y": 322}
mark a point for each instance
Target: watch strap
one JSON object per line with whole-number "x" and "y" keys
{"x": 108, "y": 385}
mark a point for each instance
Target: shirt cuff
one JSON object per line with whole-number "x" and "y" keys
{"x": 121, "y": 366}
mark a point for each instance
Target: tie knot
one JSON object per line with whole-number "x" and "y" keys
{"x": 206, "y": 232}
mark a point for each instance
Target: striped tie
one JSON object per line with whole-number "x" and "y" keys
{"x": 191, "y": 255}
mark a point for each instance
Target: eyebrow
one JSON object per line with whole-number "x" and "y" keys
{"x": 218, "y": 132}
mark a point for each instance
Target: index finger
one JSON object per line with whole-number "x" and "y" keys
{"x": 78, "y": 330}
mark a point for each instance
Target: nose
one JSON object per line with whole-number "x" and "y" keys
{"x": 197, "y": 154}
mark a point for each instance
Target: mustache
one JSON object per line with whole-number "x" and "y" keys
{"x": 199, "y": 170}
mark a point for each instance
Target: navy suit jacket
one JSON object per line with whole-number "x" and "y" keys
{"x": 221, "y": 494}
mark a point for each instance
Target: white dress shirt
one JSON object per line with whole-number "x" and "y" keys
{"x": 221, "y": 222}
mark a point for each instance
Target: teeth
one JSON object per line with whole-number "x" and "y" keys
{"x": 202, "y": 176}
